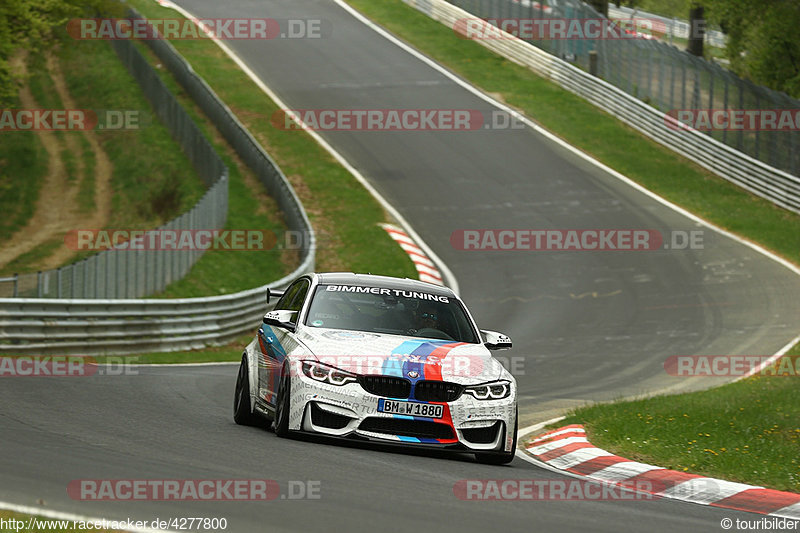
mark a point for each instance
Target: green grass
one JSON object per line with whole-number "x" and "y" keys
{"x": 223, "y": 272}
{"x": 231, "y": 352}
{"x": 41, "y": 84}
{"x": 748, "y": 431}
{"x": 23, "y": 166}
{"x": 343, "y": 213}
{"x": 249, "y": 207}
{"x": 228, "y": 354}
{"x": 150, "y": 170}
{"x": 44, "y": 92}
{"x": 595, "y": 132}
{"x": 153, "y": 180}
{"x": 86, "y": 202}
{"x": 27, "y": 262}
{"x": 219, "y": 271}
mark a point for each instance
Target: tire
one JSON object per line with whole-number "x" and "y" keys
{"x": 242, "y": 411}
{"x": 282, "y": 405}
{"x": 504, "y": 458}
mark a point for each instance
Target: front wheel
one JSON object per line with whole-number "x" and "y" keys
{"x": 504, "y": 458}
{"x": 282, "y": 404}
{"x": 242, "y": 411}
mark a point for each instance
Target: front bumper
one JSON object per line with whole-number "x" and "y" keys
{"x": 351, "y": 412}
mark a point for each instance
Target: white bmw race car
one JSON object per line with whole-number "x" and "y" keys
{"x": 381, "y": 359}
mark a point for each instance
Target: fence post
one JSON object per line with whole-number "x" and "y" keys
{"x": 740, "y": 133}
{"x": 661, "y": 76}
{"x": 683, "y": 83}
{"x": 593, "y": 62}
{"x": 85, "y": 278}
{"x": 758, "y": 132}
{"x": 649, "y": 73}
{"x": 791, "y": 141}
{"x": 118, "y": 292}
{"x": 725, "y": 107}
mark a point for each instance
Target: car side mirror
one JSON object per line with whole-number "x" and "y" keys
{"x": 281, "y": 319}
{"x": 495, "y": 340}
{"x": 274, "y": 293}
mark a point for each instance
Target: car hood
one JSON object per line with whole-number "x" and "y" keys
{"x": 402, "y": 356}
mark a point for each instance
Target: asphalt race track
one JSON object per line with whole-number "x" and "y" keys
{"x": 585, "y": 325}
{"x": 589, "y": 325}
{"x": 175, "y": 423}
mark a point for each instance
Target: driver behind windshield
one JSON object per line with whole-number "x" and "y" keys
{"x": 426, "y": 317}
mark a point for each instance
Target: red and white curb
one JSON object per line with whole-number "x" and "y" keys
{"x": 425, "y": 267}
{"x": 567, "y": 449}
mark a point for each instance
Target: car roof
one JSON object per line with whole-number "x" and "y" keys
{"x": 372, "y": 280}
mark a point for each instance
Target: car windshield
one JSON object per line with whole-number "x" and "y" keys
{"x": 394, "y": 311}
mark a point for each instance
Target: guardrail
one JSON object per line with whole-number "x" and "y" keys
{"x": 779, "y": 187}
{"x": 110, "y": 327}
{"x": 673, "y": 27}
{"x": 46, "y": 326}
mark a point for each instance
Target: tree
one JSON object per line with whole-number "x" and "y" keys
{"x": 36, "y": 25}
{"x": 601, "y": 6}
{"x": 763, "y": 43}
{"x": 696, "y": 29}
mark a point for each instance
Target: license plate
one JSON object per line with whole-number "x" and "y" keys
{"x": 410, "y": 408}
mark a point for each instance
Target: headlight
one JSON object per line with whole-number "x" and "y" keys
{"x": 496, "y": 390}
{"x": 327, "y": 374}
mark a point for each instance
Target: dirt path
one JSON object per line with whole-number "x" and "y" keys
{"x": 57, "y": 208}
